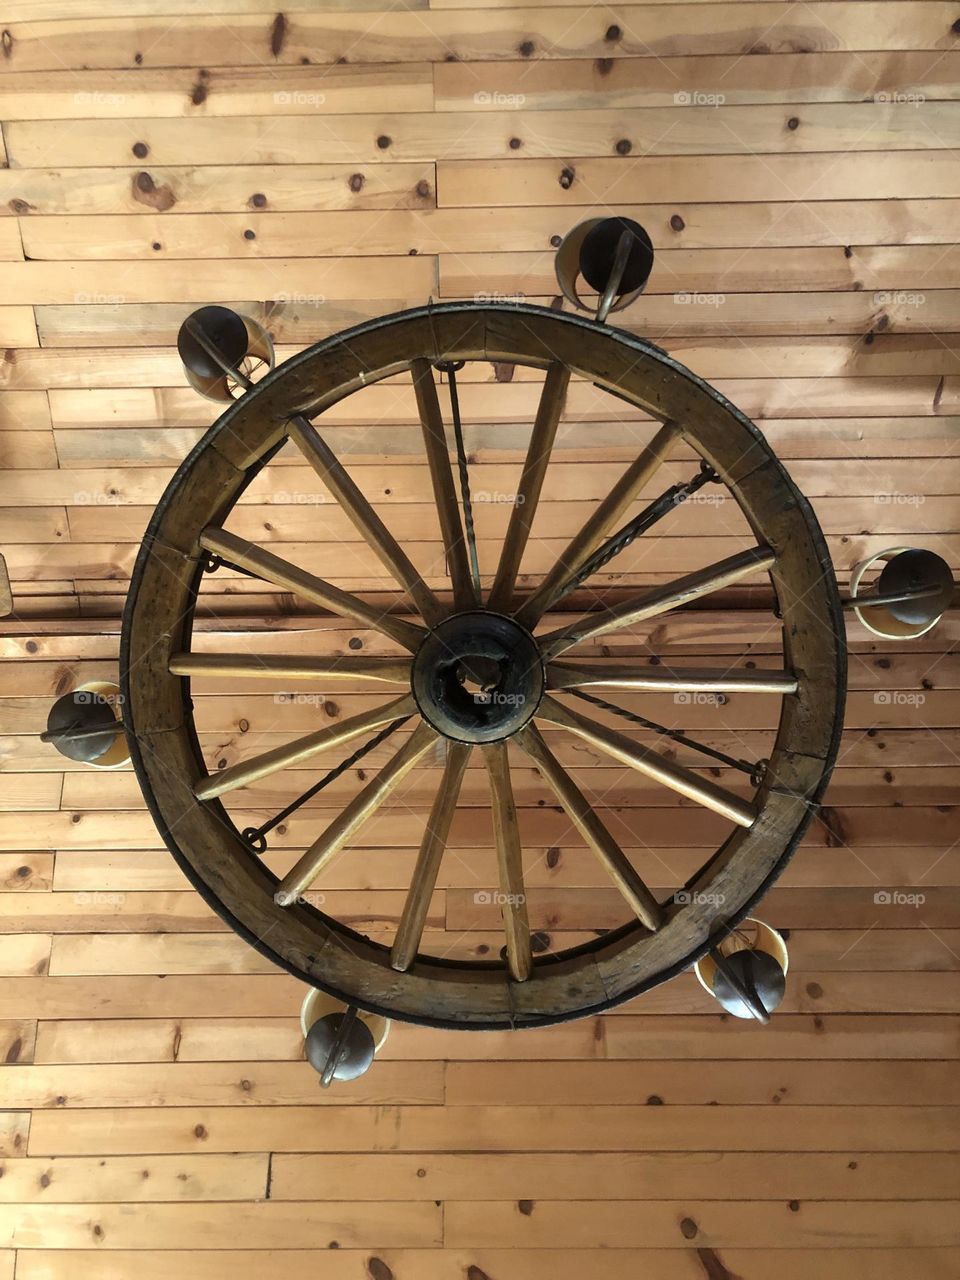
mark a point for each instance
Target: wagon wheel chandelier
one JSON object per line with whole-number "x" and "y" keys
{"x": 474, "y": 670}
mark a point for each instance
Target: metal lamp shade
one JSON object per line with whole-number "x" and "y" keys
{"x": 83, "y": 726}
{"x": 321, "y": 1018}
{"x": 902, "y": 570}
{"x": 754, "y": 958}
{"x": 590, "y": 250}
{"x": 215, "y": 345}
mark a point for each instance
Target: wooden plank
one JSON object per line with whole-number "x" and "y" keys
{"x": 115, "y": 237}
{"x": 524, "y": 1264}
{"x": 11, "y": 249}
{"x": 26, "y": 872}
{"x": 694, "y": 1083}
{"x": 556, "y": 866}
{"x": 899, "y": 483}
{"x": 253, "y": 1084}
{"x": 398, "y": 828}
{"x": 137, "y": 1180}
{"x": 658, "y": 316}
{"x": 572, "y": 32}
{"x": 357, "y": 568}
{"x": 183, "y": 92}
{"x": 713, "y": 358}
{"x": 630, "y": 1036}
{"x": 23, "y": 410}
{"x": 619, "y": 1176}
{"x": 75, "y": 955}
{"x": 24, "y": 953}
{"x": 788, "y": 77}
{"x": 17, "y": 1045}
{"x": 450, "y": 1129}
{"x": 829, "y": 176}
{"x": 137, "y": 1040}
{"x": 44, "y": 282}
{"x": 261, "y": 1225}
{"x": 297, "y": 522}
{"x": 150, "y": 324}
{"x": 14, "y": 1128}
{"x": 485, "y": 135}
{"x": 17, "y": 327}
{"x": 236, "y": 994}
{"x": 625, "y": 1223}
{"x": 220, "y": 189}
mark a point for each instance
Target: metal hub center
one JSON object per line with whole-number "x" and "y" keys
{"x": 478, "y": 677}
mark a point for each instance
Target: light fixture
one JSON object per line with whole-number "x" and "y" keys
{"x": 466, "y": 671}
{"x": 340, "y": 1041}
{"x": 223, "y": 352}
{"x": 746, "y": 971}
{"x": 84, "y": 726}
{"x": 912, "y": 592}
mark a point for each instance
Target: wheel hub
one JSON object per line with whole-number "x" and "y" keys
{"x": 478, "y": 677}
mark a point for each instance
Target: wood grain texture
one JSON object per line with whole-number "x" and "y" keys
{"x": 316, "y": 166}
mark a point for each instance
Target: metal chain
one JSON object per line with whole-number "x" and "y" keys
{"x": 450, "y": 367}
{"x": 256, "y": 836}
{"x": 756, "y": 771}
{"x": 640, "y": 523}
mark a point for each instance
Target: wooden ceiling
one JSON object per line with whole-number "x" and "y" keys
{"x": 797, "y": 169}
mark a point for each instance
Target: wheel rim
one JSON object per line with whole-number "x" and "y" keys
{"x": 325, "y": 952}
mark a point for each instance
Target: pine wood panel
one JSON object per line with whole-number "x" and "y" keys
{"x": 317, "y": 167}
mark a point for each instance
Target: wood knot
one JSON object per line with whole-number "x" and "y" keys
{"x": 278, "y": 34}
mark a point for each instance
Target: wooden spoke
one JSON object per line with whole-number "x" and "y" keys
{"x": 660, "y": 600}
{"x": 663, "y": 679}
{"x": 304, "y": 748}
{"x": 356, "y": 813}
{"x": 654, "y": 765}
{"x": 287, "y": 576}
{"x": 267, "y": 666}
{"x": 441, "y": 476}
{"x": 513, "y": 902}
{"x": 584, "y": 818}
{"x": 410, "y": 930}
{"x": 542, "y": 436}
{"x": 363, "y": 517}
{"x": 606, "y": 515}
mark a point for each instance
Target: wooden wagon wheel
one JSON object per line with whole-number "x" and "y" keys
{"x": 521, "y": 677}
